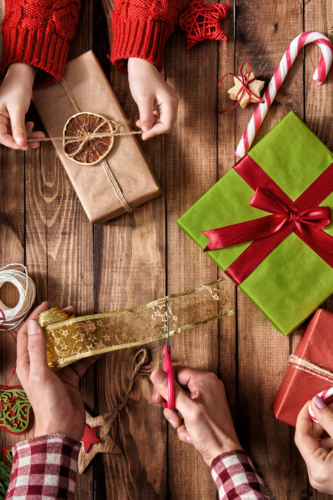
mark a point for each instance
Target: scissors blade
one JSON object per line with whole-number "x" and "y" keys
{"x": 167, "y": 339}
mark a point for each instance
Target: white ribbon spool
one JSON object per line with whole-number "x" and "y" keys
{"x": 27, "y": 291}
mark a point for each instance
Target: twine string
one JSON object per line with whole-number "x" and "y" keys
{"x": 135, "y": 370}
{"x": 27, "y": 291}
{"x": 307, "y": 366}
{"x": 245, "y": 88}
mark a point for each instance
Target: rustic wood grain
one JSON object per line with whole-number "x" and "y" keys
{"x": 129, "y": 268}
{"x": 318, "y": 16}
{"x": 191, "y": 169}
{"x": 262, "y": 351}
{"x": 225, "y": 150}
{"x": 12, "y": 243}
{"x": 59, "y": 247}
{"x": 140, "y": 257}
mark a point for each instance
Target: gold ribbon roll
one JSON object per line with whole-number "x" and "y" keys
{"x": 70, "y": 339}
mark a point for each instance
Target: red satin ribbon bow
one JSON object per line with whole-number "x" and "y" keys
{"x": 309, "y": 223}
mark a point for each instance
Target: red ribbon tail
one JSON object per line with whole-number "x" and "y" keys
{"x": 244, "y": 232}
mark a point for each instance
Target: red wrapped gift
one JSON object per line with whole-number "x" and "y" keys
{"x": 310, "y": 369}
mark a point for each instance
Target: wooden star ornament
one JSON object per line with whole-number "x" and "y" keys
{"x": 255, "y": 86}
{"x": 96, "y": 438}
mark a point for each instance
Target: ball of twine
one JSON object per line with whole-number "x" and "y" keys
{"x": 27, "y": 291}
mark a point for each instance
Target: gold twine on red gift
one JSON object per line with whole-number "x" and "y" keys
{"x": 307, "y": 366}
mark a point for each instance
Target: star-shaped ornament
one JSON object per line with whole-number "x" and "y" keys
{"x": 89, "y": 437}
{"x": 256, "y": 87}
{"x": 101, "y": 443}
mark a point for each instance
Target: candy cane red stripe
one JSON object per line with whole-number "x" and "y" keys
{"x": 286, "y": 62}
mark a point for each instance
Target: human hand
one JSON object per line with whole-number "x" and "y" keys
{"x": 149, "y": 90}
{"x": 15, "y": 98}
{"x": 54, "y": 397}
{"x": 207, "y": 422}
{"x": 317, "y": 453}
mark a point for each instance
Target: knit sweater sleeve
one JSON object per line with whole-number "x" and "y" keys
{"x": 37, "y": 32}
{"x": 236, "y": 478}
{"x": 141, "y": 29}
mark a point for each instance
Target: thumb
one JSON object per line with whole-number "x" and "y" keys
{"x": 183, "y": 403}
{"x": 37, "y": 349}
{"x": 17, "y": 121}
{"x": 323, "y": 414}
{"x": 146, "y": 110}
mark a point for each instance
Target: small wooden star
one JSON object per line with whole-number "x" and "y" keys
{"x": 105, "y": 443}
{"x": 255, "y": 86}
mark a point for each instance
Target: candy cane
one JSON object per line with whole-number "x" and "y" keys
{"x": 280, "y": 74}
{"x": 325, "y": 395}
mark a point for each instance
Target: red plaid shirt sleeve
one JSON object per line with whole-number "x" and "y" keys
{"x": 44, "y": 468}
{"x": 236, "y": 478}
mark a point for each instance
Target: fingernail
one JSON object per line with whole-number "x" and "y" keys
{"x": 145, "y": 128}
{"x": 33, "y": 327}
{"x": 188, "y": 439}
{"x": 172, "y": 423}
{"x": 319, "y": 403}
{"x": 160, "y": 378}
{"x": 20, "y": 139}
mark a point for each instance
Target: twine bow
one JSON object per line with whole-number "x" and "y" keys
{"x": 245, "y": 88}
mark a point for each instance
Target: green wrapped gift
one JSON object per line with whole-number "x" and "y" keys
{"x": 267, "y": 223}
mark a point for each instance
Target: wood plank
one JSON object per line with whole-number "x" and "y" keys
{"x": 318, "y": 105}
{"x": 191, "y": 166}
{"x": 129, "y": 271}
{"x": 226, "y": 159}
{"x": 12, "y": 243}
{"x": 59, "y": 247}
{"x": 262, "y": 351}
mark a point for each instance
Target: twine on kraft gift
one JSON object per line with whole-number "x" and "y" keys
{"x": 307, "y": 366}
{"x": 95, "y": 134}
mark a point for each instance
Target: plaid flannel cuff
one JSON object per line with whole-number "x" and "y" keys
{"x": 236, "y": 478}
{"x": 44, "y": 467}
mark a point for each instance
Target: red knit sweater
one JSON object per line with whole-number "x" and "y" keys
{"x": 38, "y": 32}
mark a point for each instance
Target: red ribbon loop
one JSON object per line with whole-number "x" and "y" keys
{"x": 245, "y": 81}
{"x": 309, "y": 223}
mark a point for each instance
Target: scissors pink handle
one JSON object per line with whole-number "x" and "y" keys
{"x": 167, "y": 367}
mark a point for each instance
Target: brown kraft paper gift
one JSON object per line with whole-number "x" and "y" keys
{"x": 92, "y": 92}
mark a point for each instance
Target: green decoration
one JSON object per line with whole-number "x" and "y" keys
{"x": 4, "y": 479}
{"x": 8, "y": 455}
{"x": 330, "y": 35}
{"x": 15, "y": 410}
{"x": 293, "y": 280}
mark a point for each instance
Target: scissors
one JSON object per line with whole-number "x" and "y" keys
{"x": 167, "y": 367}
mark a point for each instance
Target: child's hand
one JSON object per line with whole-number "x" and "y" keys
{"x": 15, "y": 98}
{"x": 150, "y": 91}
{"x": 206, "y": 422}
{"x": 54, "y": 397}
{"x": 317, "y": 453}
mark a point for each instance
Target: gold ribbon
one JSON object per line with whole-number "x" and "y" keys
{"x": 307, "y": 366}
{"x": 70, "y": 339}
{"x": 95, "y": 134}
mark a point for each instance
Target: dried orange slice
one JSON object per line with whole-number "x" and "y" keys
{"x": 93, "y": 150}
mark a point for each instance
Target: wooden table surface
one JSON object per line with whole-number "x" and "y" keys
{"x": 137, "y": 258}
